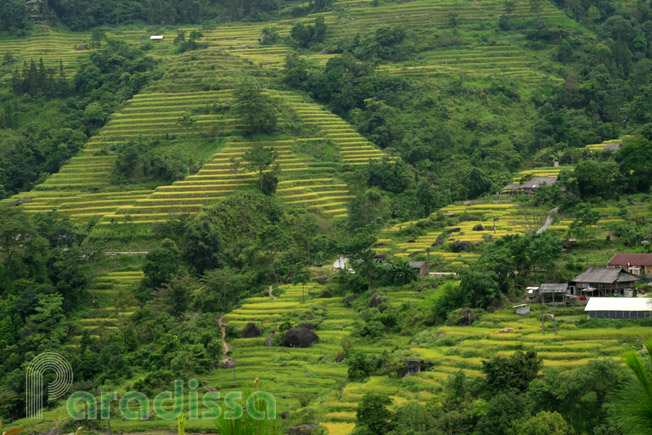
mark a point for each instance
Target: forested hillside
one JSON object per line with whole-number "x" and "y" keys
{"x": 337, "y": 202}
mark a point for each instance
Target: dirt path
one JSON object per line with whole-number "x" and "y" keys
{"x": 225, "y": 346}
{"x": 270, "y": 292}
{"x": 548, "y": 221}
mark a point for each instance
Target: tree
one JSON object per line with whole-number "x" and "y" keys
{"x": 259, "y": 159}
{"x": 254, "y": 108}
{"x": 590, "y": 179}
{"x": 480, "y": 288}
{"x": 273, "y": 240}
{"x": 186, "y": 121}
{"x": 367, "y": 208}
{"x": 632, "y": 159}
{"x": 97, "y": 36}
{"x": 358, "y": 250}
{"x": 160, "y": 266}
{"x": 545, "y": 423}
{"x": 202, "y": 246}
{"x": 512, "y": 373}
{"x": 631, "y": 411}
{"x": 16, "y": 233}
{"x": 427, "y": 196}
{"x": 180, "y": 38}
{"x": 301, "y": 276}
{"x": 123, "y": 301}
{"x": 373, "y": 414}
{"x": 501, "y": 411}
{"x": 234, "y": 165}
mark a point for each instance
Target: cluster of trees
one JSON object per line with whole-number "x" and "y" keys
{"x": 512, "y": 398}
{"x": 503, "y": 268}
{"x": 306, "y": 35}
{"x": 85, "y": 14}
{"x": 45, "y": 274}
{"x": 191, "y": 43}
{"x": 142, "y": 161}
{"x": 13, "y": 16}
{"x": 47, "y": 118}
{"x": 39, "y": 81}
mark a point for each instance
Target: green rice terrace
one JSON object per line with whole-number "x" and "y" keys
{"x": 391, "y": 215}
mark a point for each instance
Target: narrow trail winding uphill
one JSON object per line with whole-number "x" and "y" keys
{"x": 225, "y": 346}
{"x": 548, "y": 221}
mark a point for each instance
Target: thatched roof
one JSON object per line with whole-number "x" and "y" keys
{"x": 605, "y": 275}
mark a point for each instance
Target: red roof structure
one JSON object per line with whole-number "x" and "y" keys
{"x": 631, "y": 259}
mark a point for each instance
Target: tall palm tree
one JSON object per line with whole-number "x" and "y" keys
{"x": 631, "y": 409}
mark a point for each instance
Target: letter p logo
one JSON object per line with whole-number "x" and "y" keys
{"x": 34, "y": 378}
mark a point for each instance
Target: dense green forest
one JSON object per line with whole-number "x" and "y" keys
{"x": 181, "y": 208}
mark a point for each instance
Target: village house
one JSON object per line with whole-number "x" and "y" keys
{"x": 529, "y": 187}
{"x": 553, "y": 292}
{"x": 636, "y": 264}
{"x": 619, "y": 308}
{"x": 601, "y": 281}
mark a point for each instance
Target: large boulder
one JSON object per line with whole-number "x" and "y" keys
{"x": 299, "y": 337}
{"x": 307, "y": 326}
{"x": 251, "y": 331}
{"x": 416, "y": 365}
{"x": 463, "y": 317}
{"x": 461, "y": 246}
{"x": 375, "y": 301}
{"x": 478, "y": 227}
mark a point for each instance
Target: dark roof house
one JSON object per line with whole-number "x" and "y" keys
{"x": 552, "y": 292}
{"x": 553, "y": 288}
{"x": 604, "y": 280}
{"x": 529, "y": 186}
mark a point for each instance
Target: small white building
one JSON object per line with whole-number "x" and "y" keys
{"x": 156, "y": 38}
{"x": 619, "y": 308}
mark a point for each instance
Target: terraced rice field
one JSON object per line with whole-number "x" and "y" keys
{"x": 82, "y": 188}
{"x": 107, "y": 289}
{"x": 551, "y": 171}
{"x": 286, "y": 372}
{"x": 426, "y": 14}
{"x": 499, "y": 333}
{"x": 217, "y": 179}
{"x": 508, "y": 221}
{"x": 502, "y": 61}
{"x": 51, "y": 46}
{"x": 353, "y": 147}
{"x": 600, "y": 146}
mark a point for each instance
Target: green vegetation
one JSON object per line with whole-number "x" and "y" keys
{"x": 159, "y": 195}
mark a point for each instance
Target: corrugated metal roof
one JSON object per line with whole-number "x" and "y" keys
{"x": 553, "y": 288}
{"x": 619, "y": 304}
{"x": 605, "y": 275}
{"x": 537, "y": 181}
{"x": 621, "y": 259}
